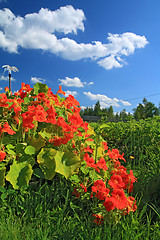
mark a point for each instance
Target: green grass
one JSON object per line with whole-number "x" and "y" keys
{"x": 48, "y": 210}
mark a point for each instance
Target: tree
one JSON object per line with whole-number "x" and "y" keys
{"x": 123, "y": 115}
{"x": 110, "y": 112}
{"x": 97, "y": 109}
{"x": 139, "y": 112}
{"x": 145, "y": 110}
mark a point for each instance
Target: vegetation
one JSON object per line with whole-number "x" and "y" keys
{"x": 58, "y": 180}
{"x": 142, "y": 111}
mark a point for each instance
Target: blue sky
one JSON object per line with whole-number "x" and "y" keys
{"x": 96, "y": 50}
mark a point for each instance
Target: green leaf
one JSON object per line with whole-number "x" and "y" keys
{"x": 28, "y": 100}
{"x": 61, "y": 166}
{"x": 20, "y": 147}
{"x": 45, "y": 134}
{"x": 10, "y": 146}
{"x": 81, "y": 129}
{"x": 40, "y": 87}
{"x": 37, "y": 143}
{"x": 19, "y": 175}
{"x": 47, "y": 162}
{"x": 24, "y": 177}
{"x": 104, "y": 125}
{"x": 2, "y": 175}
{"x": 30, "y": 150}
{"x": 69, "y": 158}
{"x": 74, "y": 178}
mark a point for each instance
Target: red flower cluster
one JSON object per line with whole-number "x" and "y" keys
{"x": 113, "y": 183}
{"x": 45, "y": 108}
{"x": 101, "y": 164}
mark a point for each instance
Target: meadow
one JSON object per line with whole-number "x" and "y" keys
{"x": 37, "y": 200}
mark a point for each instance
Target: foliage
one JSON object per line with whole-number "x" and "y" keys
{"x": 145, "y": 110}
{"x": 35, "y": 128}
{"x": 43, "y": 135}
{"x": 140, "y": 140}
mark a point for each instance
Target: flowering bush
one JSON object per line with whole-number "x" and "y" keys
{"x": 103, "y": 179}
{"x": 43, "y": 134}
{"x": 37, "y": 131}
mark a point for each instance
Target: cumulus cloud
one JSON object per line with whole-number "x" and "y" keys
{"x": 67, "y": 93}
{"x": 3, "y": 78}
{"x": 39, "y": 30}
{"x": 36, "y": 79}
{"x": 73, "y": 82}
{"x": 106, "y": 101}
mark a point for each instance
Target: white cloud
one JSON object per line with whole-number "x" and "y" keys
{"x": 110, "y": 62}
{"x": 36, "y": 79}
{"x": 106, "y": 101}
{"x": 3, "y": 78}
{"x": 1, "y": 88}
{"x": 83, "y": 107}
{"x": 73, "y": 82}
{"x": 38, "y": 31}
{"x": 67, "y": 93}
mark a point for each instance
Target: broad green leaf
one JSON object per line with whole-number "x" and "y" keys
{"x": 24, "y": 177}
{"x": 37, "y": 143}
{"x": 30, "y": 150}
{"x": 2, "y": 175}
{"x": 69, "y": 158}
{"x": 61, "y": 167}
{"x": 28, "y": 99}
{"x": 40, "y": 87}
{"x": 47, "y": 162}
{"x": 19, "y": 175}
{"x": 45, "y": 134}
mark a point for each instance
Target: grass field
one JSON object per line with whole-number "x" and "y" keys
{"x": 48, "y": 210}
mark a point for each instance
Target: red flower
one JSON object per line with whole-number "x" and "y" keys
{"x": 114, "y": 154}
{"x": 119, "y": 198}
{"x": 60, "y": 91}
{"x": 2, "y": 155}
{"x": 109, "y": 204}
{"x": 99, "y": 185}
{"x": 7, "y": 129}
{"x": 88, "y": 149}
{"x": 89, "y": 160}
{"x": 105, "y": 146}
{"x": 131, "y": 205}
{"x": 116, "y": 182}
{"x": 102, "y": 164}
{"x": 98, "y": 219}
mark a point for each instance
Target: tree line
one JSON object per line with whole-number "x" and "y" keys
{"x": 142, "y": 111}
